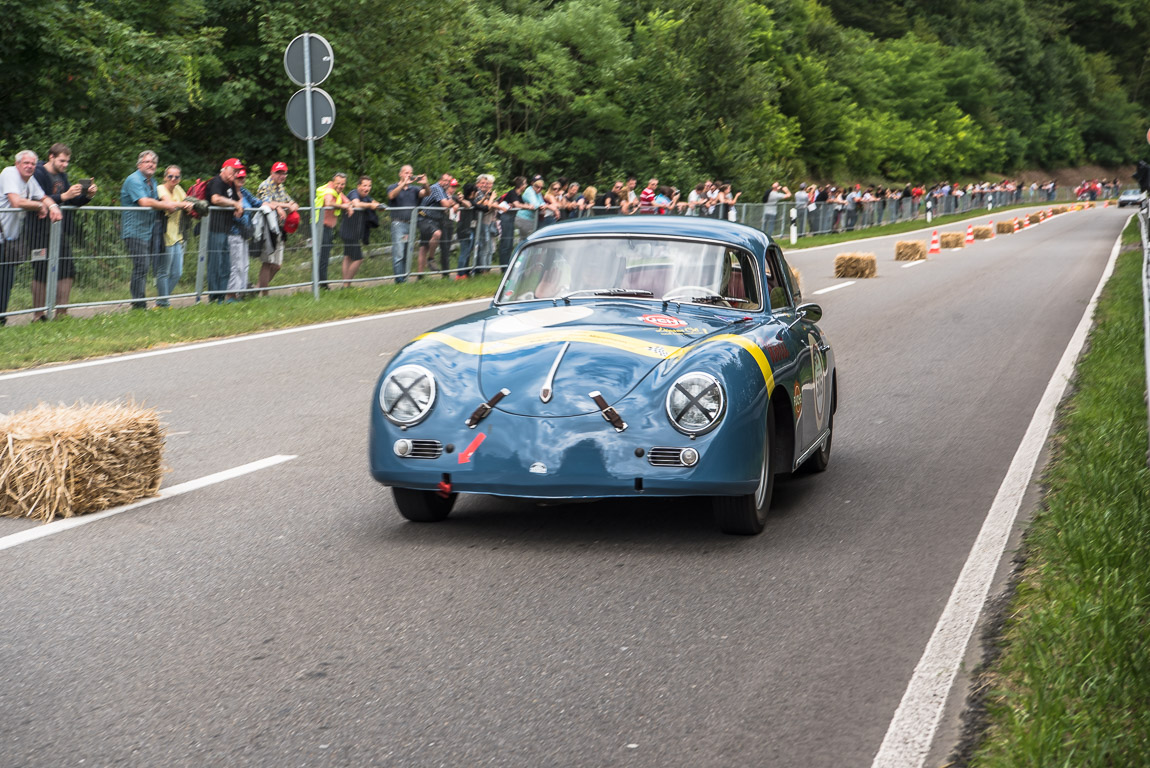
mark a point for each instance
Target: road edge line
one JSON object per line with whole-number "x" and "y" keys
{"x": 912, "y": 729}
{"x": 193, "y": 345}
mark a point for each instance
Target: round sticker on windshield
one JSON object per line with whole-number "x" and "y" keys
{"x": 663, "y": 321}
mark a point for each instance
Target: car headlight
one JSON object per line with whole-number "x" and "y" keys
{"x": 695, "y": 403}
{"x": 407, "y": 395}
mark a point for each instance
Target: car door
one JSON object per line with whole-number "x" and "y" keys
{"x": 810, "y": 393}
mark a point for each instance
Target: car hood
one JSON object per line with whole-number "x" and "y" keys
{"x": 575, "y": 350}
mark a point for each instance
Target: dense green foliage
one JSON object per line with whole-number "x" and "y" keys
{"x": 746, "y": 90}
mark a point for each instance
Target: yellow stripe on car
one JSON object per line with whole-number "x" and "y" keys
{"x": 741, "y": 341}
{"x": 661, "y": 351}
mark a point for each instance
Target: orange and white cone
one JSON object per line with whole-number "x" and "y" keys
{"x": 1026, "y": 221}
{"x": 969, "y": 234}
{"x": 1050, "y": 213}
{"x": 1015, "y": 223}
{"x": 935, "y": 246}
{"x": 991, "y": 229}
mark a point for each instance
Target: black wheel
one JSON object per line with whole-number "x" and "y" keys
{"x": 747, "y": 515}
{"x": 423, "y": 506}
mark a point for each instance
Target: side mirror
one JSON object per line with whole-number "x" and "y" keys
{"x": 812, "y": 312}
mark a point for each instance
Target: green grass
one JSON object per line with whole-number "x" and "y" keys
{"x": 1072, "y": 685}
{"x": 74, "y": 338}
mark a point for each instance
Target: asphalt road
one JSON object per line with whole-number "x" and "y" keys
{"x": 290, "y": 617}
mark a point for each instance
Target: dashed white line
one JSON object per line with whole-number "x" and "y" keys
{"x": 47, "y": 529}
{"x": 911, "y": 732}
{"x": 914, "y": 264}
{"x": 833, "y": 288}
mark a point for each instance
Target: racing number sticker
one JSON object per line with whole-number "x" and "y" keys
{"x": 663, "y": 321}
{"x": 819, "y": 370}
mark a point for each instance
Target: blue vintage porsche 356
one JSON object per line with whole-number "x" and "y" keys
{"x": 623, "y": 356}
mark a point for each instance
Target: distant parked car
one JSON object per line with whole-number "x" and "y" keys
{"x": 622, "y": 357}
{"x": 1131, "y": 197}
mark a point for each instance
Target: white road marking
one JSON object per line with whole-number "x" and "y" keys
{"x": 58, "y": 526}
{"x": 914, "y": 264}
{"x": 232, "y": 340}
{"x": 833, "y": 288}
{"x": 911, "y": 732}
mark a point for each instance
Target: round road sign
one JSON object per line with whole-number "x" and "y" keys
{"x": 322, "y": 59}
{"x": 322, "y": 114}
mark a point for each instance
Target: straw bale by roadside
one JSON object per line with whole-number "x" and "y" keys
{"x": 982, "y": 233}
{"x": 952, "y": 240}
{"x": 1004, "y": 227}
{"x": 855, "y": 265}
{"x": 62, "y": 461}
{"x": 909, "y": 250}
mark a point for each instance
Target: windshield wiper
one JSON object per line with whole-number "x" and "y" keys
{"x": 602, "y": 292}
{"x": 624, "y": 292}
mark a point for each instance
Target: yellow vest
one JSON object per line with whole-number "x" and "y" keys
{"x": 320, "y": 194}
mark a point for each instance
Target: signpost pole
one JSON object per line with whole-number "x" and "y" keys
{"x": 317, "y": 215}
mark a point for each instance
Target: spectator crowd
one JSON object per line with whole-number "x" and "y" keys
{"x": 431, "y": 217}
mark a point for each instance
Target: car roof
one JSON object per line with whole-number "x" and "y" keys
{"x": 701, "y": 227}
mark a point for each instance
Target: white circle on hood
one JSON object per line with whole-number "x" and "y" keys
{"x": 536, "y": 319}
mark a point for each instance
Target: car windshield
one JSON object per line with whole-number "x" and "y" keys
{"x": 634, "y": 267}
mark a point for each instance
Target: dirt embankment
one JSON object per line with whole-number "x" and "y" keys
{"x": 1072, "y": 177}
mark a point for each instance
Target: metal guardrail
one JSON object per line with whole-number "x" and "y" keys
{"x": 84, "y": 260}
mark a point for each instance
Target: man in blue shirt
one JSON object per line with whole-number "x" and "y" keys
{"x": 143, "y": 230}
{"x": 403, "y": 198}
{"x": 432, "y": 215}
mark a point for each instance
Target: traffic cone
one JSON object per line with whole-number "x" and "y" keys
{"x": 1050, "y": 213}
{"x": 1015, "y": 223}
{"x": 934, "y": 244}
{"x": 1041, "y": 216}
{"x": 969, "y": 234}
{"x": 991, "y": 229}
{"x": 1026, "y": 221}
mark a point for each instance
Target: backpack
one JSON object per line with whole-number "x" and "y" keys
{"x": 199, "y": 191}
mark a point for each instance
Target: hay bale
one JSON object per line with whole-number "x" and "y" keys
{"x": 1004, "y": 227}
{"x": 1034, "y": 218}
{"x": 952, "y": 240}
{"x": 855, "y": 265}
{"x": 65, "y": 461}
{"x": 910, "y": 250}
{"x": 982, "y": 233}
{"x": 796, "y": 279}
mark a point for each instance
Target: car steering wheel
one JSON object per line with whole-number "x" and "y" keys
{"x": 687, "y": 290}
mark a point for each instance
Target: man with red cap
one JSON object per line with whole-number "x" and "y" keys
{"x": 272, "y": 192}
{"x": 222, "y": 192}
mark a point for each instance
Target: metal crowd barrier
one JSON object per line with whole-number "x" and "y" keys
{"x": 84, "y": 261}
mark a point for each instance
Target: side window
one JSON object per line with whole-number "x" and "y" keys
{"x": 739, "y": 286}
{"x": 780, "y": 285}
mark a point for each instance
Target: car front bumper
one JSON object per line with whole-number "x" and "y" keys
{"x": 571, "y": 457}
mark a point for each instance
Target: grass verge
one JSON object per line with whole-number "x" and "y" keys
{"x": 1071, "y": 685}
{"x": 74, "y": 338}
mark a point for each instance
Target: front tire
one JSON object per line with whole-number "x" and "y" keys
{"x": 747, "y": 515}
{"x": 423, "y": 506}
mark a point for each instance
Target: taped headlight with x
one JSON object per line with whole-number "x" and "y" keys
{"x": 407, "y": 394}
{"x": 695, "y": 403}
